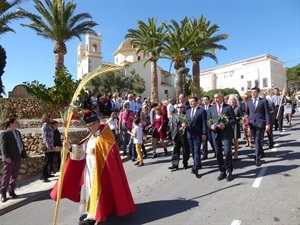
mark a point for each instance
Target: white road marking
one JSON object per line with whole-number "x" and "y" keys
{"x": 236, "y": 222}
{"x": 259, "y": 177}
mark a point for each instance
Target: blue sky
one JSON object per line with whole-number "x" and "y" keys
{"x": 255, "y": 27}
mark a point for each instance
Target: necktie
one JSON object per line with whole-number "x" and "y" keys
{"x": 219, "y": 109}
{"x": 192, "y": 113}
{"x": 254, "y": 103}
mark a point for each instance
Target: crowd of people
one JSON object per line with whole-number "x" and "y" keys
{"x": 190, "y": 123}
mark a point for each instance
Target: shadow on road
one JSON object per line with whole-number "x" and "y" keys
{"x": 152, "y": 211}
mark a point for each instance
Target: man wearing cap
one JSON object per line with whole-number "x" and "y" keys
{"x": 99, "y": 177}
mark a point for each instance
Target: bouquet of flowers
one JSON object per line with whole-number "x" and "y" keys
{"x": 183, "y": 119}
{"x": 244, "y": 120}
{"x": 222, "y": 118}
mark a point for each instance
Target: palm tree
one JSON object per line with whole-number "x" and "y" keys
{"x": 178, "y": 39}
{"x": 56, "y": 21}
{"x": 6, "y": 17}
{"x": 204, "y": 45}
{"x": 149, "y": 39}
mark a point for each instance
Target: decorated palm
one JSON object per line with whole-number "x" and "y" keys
{"x": 56, "y": 21}
{"x": 149, "y": 39}
{"x": 6, "y": 17}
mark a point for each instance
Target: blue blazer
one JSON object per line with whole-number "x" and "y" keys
{"x": 196, "y": 125}
{"x": 227, "y": 110}
{"x": 259, "y": 117}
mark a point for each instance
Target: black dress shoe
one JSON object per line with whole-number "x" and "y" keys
{"x": 229, "y": 177}
{"x": 194, "y": 172}
{"x": 3, "y": 197}
{"x": 258, "y": 164}
{"x": 173, "y": 168}
{"x": 12, "y": 194}
{"x": 185, "y": 167}
{"x": 222, "y": 176}
{"x": 50, "y": 175}
{"x": 203, "y": 157}
{"x": 46, "y": 180}
{"x": 87, "y": 222}
{"x": 271, "y": 146}
{"x": 154, "y": 155}
{"x": 137, "y": 163}
{"x": 166, "y": 152}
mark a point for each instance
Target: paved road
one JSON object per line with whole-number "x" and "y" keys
{"x": 266, "y": 195}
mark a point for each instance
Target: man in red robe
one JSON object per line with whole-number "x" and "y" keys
{"x": 97, "y": 181}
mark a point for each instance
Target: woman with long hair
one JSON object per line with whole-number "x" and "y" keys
{"x": 48, "y": 141}
{"x": 233, "y": 101}
{"x": 245, "y": 124}
{"x": 160, "y": 132}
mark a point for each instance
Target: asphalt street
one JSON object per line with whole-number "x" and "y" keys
{"x": 264, "y": 195}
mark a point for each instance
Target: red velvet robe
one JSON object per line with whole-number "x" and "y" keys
{"x": 110, "y": 191}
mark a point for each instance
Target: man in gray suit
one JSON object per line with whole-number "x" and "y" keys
{"x": 221, "y": 131}
{"x": 12, "y": 150}
{"x": 178, "y": 133}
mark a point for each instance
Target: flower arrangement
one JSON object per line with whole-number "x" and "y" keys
{"x": 222, "y": 118}
{"x": 184, "y": 120}
{"x": 244, "y": 120}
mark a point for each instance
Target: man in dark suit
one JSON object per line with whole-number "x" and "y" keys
{"x": 259, "y": 115}
{"x": 185, "y": 103}
{"x": 206, "y": 105}
{"x": 196, "y": 131}
{"x": 221, "y": 118}
{"x": 178, "y": 133}
{"x": 12, "y": 150}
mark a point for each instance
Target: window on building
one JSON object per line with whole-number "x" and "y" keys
{"x": 94, "y": 48}
{"x": 249, "y": 84}
{"x": 117, "y": 60}
{"x": 242, "y": 76}
{"x": 139, "y": 58}
{"x": 166, "y": 92}
{"x": 242, "y": 89}
{"x": 256, "y": 83}
{"x": 265, "y": 82}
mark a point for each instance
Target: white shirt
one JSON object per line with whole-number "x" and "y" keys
{"x": 112, "y": 123}
{"x": 138, "y": 131}
{"x": 170, "y": 109}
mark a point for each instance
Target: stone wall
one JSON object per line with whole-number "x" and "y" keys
{"x": 28, "y": 108}
{"x": 32, "y": 166}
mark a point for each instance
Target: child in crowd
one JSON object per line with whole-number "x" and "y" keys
{"x": 137, "y": 135}
{"x": 112, "y": 122}
{"x": 57, "y": 146}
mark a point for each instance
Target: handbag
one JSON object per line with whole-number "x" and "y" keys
{"x": 151, "y": 131}
{"x": 43, "y": 147}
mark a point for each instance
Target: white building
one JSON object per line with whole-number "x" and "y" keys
{"x": 90, "y": 57}
{"x": 264, "y": 71}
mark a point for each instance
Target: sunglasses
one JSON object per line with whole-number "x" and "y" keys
{"x": 179, "y": 107}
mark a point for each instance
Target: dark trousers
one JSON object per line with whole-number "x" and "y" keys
{"x": 205, "y": 145}
{"x": 10, "y": 175}
{"x": 178, "y": 143}
{"x": 257, "y": 134}
{"x": 224, "y": 161}
{"x": 270, "y": 136}
{"x": 124, "y": 139}
{"x": 48, "y": 161}
{"x": 279, "y": 121}
{"x": 195, "y": 144}
{"x": 57, "y": 160}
